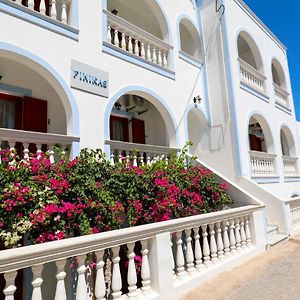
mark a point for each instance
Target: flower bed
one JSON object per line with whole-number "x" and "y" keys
{"x": 42, "y": 202}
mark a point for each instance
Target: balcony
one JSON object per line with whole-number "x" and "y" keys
{"x": 24, "y": 141}
{"x": 290, "y": 166}
{"x": 137, "y": 43}
{"x": 252, "y": 77}
{"x": 262, "y": 164}
{"x": 175, "y": 256}
{"x": 138, "y": 154}
{"x": 281, "y": 98}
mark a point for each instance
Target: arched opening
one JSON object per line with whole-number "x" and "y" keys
{"x": 145, "y": 14}
{"x": 278, "y": 74}
{"x": 198, "y": 132}
{"x": 189, "y": 39}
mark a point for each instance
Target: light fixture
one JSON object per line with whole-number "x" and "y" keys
{"x": 197, "y": 99}
{"x": 130, "y": 108}
{"x": 1, "y": 76}
{"x": 118, "y": 105}
{"x": 114, "y": 12}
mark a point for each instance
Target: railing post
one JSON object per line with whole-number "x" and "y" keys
{"x": 160, "y": 260}
{"x": 10, "y": 287}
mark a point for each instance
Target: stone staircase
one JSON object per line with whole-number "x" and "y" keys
{"x": 275, "y": 237}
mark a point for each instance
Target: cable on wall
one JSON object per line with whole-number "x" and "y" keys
{"x": 220, "y": 8}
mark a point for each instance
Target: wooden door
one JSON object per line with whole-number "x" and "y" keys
{"x": 138, "y": 131}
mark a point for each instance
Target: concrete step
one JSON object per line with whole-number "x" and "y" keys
{"x": 275, "y": 239}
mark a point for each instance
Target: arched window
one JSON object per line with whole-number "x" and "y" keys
{"x": 278, "y": 74}
{"x": 287, "y": 142}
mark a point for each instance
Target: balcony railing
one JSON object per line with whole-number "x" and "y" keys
{"x": 290, "y": 165}
{"x": 56, "y": 10}
{"x": 295, "y": 211}
{"x": 172, "y": 254}
{"x": 138, "y": 154}
{"x": 24, "y": 140}
{"x": 252, "y": 77}
{"x": 137, "y": 41}
{"x": 262, "y": 164}
{"x": 281, "y": 95}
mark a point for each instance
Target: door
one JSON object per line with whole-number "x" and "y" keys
{"x": 119, "y": 129}
{"x": 138, "y": 131}
{"x": 255, "y": 143}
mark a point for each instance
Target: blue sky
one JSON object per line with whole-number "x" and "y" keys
{"x": 283, "y": 18}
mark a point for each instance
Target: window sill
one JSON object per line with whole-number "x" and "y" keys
{"x": 190, "y": 59}
{"x": 254, "y": 92}
{"x": 34, "y": 17}
{"x": 283, "y": 108}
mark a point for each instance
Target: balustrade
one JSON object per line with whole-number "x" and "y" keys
{"x": 19, "y": 142}
{"x": 290, "y": 165}
{"x": 54, "y": 9}
{"x": 199, "y": 242}
{"x": 262, "y": 163}
{"x": 252, "y": 77}
{"x": 281, "y": 95}
{"x": 135, "y": 40}
{"x": 138, "y": 154}
{"x": 294, "y": 204}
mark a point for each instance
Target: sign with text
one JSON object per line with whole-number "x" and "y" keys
{"x": 89, "y": 79}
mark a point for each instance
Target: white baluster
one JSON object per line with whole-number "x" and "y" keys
{"x": 116, "y": 38}
{"x": 10, "y": 287}
{"x": 131, "y": 275}
{"x": 120, "y": 158}
{"x": 53, "y": 11}
{"x": 237, "y": 234}
{"x": 148, "y": 161}
{"x": 154, "y": 56}
{"x": 165, "y": 60}
{"x": 206, "y": 251}
{"x": 143, "y": 53}
{"x": 100, "y": 287}
{"x": 172, "y": 256}
{"x": 189, "y": 251}
{"x": 116, "y": 282}
{"x": 0, "y": 152}
{"x": 123, "y": 41}
{"x": 51, "y": 154}
{"x": 159, "y": 58}
{"x": 60, "y": 293}
{"x": 127, "y": 160}
{"x": 135, "y": 164}
{"x": 39, "y": 151}
{"x": 130, "y": 46}
{"x": 226, "y": 238}
{"x": 213, "y": 245}
{"x": 37, "y": 282}
{"x": 109, "y": 34}
{"x": 136, "y": 49}
{"x": 179, "y": 255}
{"x": 81, "y": 289}
{"x": 18, "y": 1}
{"x": 26, "y": 151}
{"x": 243, "y": 234}
{"x": 149, "y": 52}
{"x": 30, "y": 4}
{"x": 220, "y": 245}
{"x": 146, "y": 276}
{"x": 248, "y": 232}
{"x": 198, "y": 251}
{"x": 43, "y": 7}
{"x": 64, "y": 16}
{"x": 232, "y": 237}
{"x": 112, "y": 159}
{"x": 12, "y": 151}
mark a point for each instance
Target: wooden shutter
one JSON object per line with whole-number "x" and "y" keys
{"x": 138, "y": 131}
{"x": 255, "y": 143}
{"x": 124, "y": 122}
{"x": 35, "y": 115}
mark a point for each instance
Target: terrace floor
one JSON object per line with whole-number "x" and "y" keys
{"x": 274, "y": 274}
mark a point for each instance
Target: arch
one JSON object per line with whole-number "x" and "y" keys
{"x": 197, "y": 130}
{"x": 189, "y": 38}
{"x": 278, "y": 73}
{"x": 262, "y": 131}
{"x": 45, "y": 70}
{"x": 287, "y": 142}
{"x": 248, "y": 50}
{"x": 146, "y": 14}
{"x": 151, "y": 96}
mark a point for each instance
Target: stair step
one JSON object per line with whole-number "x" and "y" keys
{"x": 272, "y": 228}
{"x": 275, "y": 239}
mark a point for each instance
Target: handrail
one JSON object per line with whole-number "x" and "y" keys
{"x": 252, "y": 70}
{"x": 289, "y": 158}
{"x": 262, "y": 154}
{"x": 291, "y": 200}
{"x": 140, "y": 147}
{"x": 19, "y": 258}
{"x": 13, "y": 135}
{"x": 280, "y": 90}
{"x": 136, "y": 30}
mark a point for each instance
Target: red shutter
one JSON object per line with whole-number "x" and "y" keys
{"x": 138, "y": 131}
{"x": 35, "y": 114}
{"x": 255, "y": 143}
{"x": 124, "y": 122}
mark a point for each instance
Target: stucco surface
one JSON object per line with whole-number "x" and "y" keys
{"x": 271, "y": 275}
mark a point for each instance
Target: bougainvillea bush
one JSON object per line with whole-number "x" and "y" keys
{"x": 41, "y": 201}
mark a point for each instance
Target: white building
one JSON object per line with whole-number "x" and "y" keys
{"x": 152, "y": 75}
